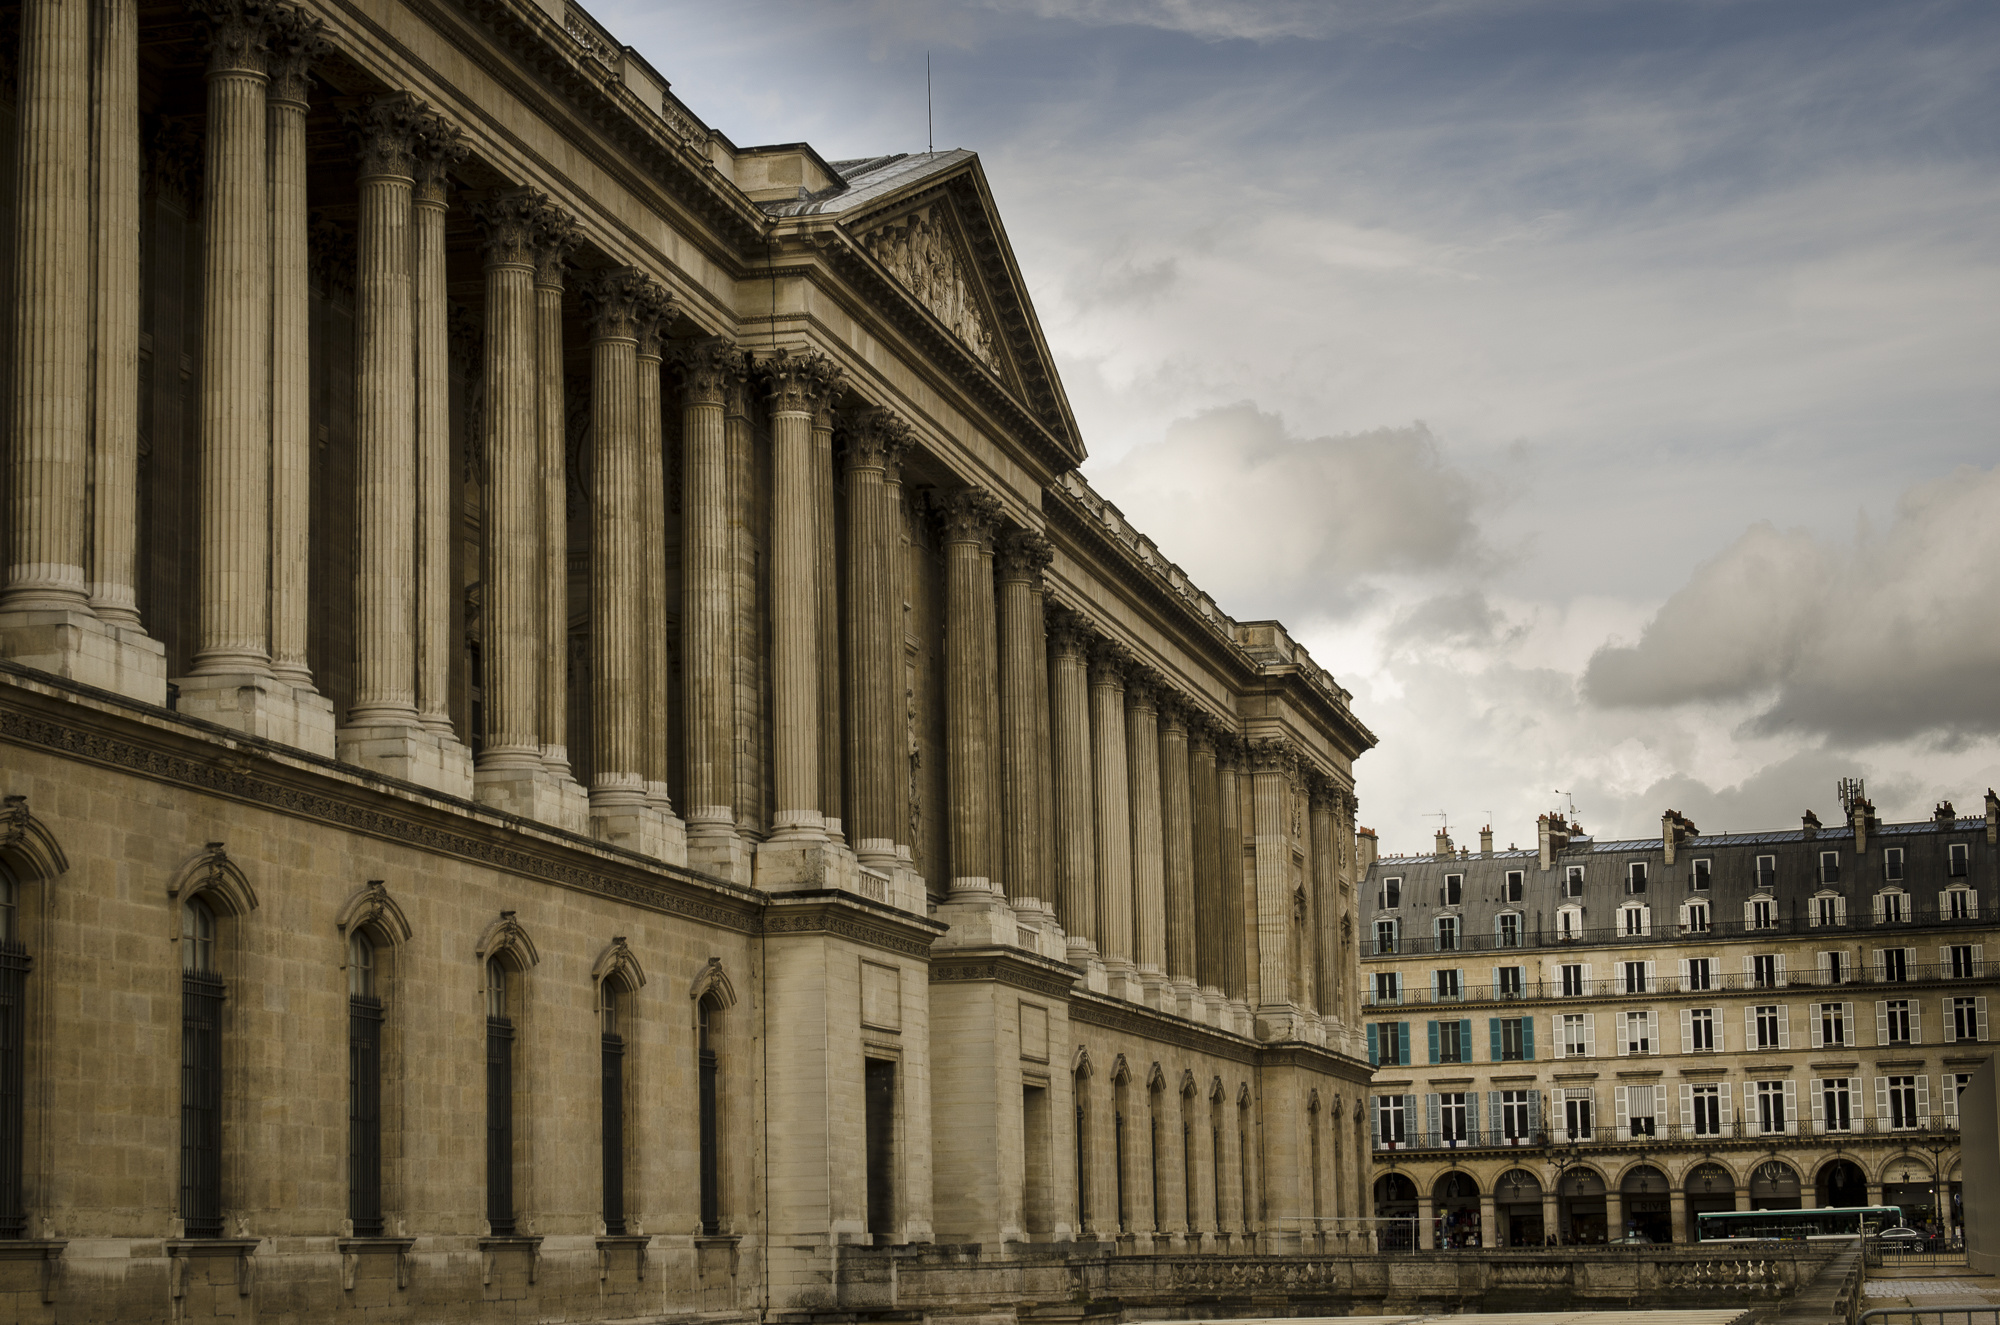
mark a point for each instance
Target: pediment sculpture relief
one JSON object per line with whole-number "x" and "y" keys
{"x": 920, "y": 254}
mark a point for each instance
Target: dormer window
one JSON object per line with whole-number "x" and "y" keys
{"x": 1453, "y": 891}
{"x": 1760, "y": 913}
{"x": 1515, "y": 887}
{"x": 1829, "y": 867}
{"x": 1702, "y": 875}
{"x": 1829, "y": 909}
{"x": 1892, "y": 863}
{"x": 1960, "y": 856}
{"x": 1392, "y": 894}
{"x": 1635, "y": 877}
{"x": 1569, "y": 923}
{"x": 1892, "y": 907}
{"x": 1767, "y": 871}
{"x": 1573, "y": 881}
{"x": 1447, "y": 933}
{"x": 1958, "y": 903}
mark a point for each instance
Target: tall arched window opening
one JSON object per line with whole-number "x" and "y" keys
{"x": 364, "y": 1089}
{"x": 14, "y": 966}
{"x": 1118, "y": 1091}
{"x": 1083, "y": 1179}
{"x": 501, "y": 998}
{"x": 1244, "y": 1159}
{"x": 711, "y": 1184}
{"x": 1312, "y": 1130}
{"x": 1154, "y": 1100}
{"x": 611, "y": 1056}
{"x": 1189, "y": 1203}
{"x": 202, "y": 992}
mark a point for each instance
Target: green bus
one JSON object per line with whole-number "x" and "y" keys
{"x": 1795, "y": 1225}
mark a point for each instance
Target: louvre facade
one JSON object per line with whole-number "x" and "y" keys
{"x": 575, "y": 744}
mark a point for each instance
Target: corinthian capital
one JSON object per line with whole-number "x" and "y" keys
{"x": 615, "y": 300}
{"x": 387, "y": 132}
{"x": 968, "y": 515}
{"x": 438, "y": 153}
{"x": 654, "y": 320}
{"x": 1023, "y": 554}
{"x": 1173, "y": 711}
{"x": 873, "y": 438}
{"x": 295, "y": 42}
{"x": 1201, "y": 733}
{"x": 1142, "y": 686}
{"x": 1273, "y": 754}
{"x": 239, "y": 35}
{"x": 1069, "y": 633}
{"x": 799, "y": 382}
{"x": 1109, "y": 661}
{"x": 514, "y": 222}
{"x": 709, "y": 369}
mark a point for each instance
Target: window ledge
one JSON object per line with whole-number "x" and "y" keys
{"x": 608, "y": 1243}
{"x": 491, "y": 1247}
{"x": 181, "y": 1250}
{"x": 353, "y": 1249}
{"x": 48, "y": 1251}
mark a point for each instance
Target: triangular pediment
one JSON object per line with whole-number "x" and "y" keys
{"x": 927, "y": 223}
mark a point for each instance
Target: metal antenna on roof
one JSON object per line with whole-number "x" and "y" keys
{"x": 930, "y": 121}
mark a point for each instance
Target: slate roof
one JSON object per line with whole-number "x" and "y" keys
{"x": 864, "y": 179}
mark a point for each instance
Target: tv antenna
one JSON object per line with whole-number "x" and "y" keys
{"x": 1444, "y": 820}
{"x": 930, "y": 121}
{"x": 1572, "y": 802}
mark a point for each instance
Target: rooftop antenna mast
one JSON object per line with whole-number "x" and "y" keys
{"x": 930, "y": 121}
{"x": 1572, "y": 802}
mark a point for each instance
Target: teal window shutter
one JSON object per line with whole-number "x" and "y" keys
{"x": 1403, "y": 1048}
{"x": 1465, "y": 1038}
{"x": 1374, "y": 1048}
{"x": 1434, "y": 1041}
{"x": 1528, "y": 1038}
{"x": 1493, "y": 1028}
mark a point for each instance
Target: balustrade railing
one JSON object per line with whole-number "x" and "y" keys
{"x": 1716, "y": 982}
{"x": 1913, "y": 917}
{"x": 1660, "y": 1133}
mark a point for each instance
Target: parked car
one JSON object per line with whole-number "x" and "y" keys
{"x": 1901, "y": 1238}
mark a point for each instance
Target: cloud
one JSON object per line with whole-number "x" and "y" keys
{"x": 1297, "y": 527}
{"x": 1892, "y": 637}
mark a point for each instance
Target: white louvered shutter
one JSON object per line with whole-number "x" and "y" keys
{"x": 1944, "y": 958}
{"x": 1749, "y": 968}
{"x": 1823, "y": 964}
{"x": 1979, "y": 959}
{"x": 1556, "y": 1036}
{"x": 1749, "y": 1026}
{"x": 1749, "y": 914}
{"x": 1950, "y": 1100}
{"x": 1728, "y": 1107}
{"x": 1687, "y": 1030}
{"x": 1590, "y": 1035}
{"x": 1818, "y": 1091}
{"x": 1923, "y": 1099}
{"x": 1431, "y": 1118}
{"x": 1816, "y": 1024}
{"x": 1879, "y": 963}
{"x": 1622, "y": 1024}
{"x": 1646, "y": 922}
{"x": 1916, "y": 1021}
{"x": 1847, "y": 1025}
{"x": 1684, "y": 973}
{"x": 1781, "y": 970}
{"x": 1784, "y": 1027}
{"x": 1979, "y": 1009}
{"x": 1652, "y": 981}
{"x": 1687, "y": 1107}
{"x": 1588, "y": 988}
{"x": 1791, "y": 1107}
{"x": 1620, "y": 1104}
{"x": 1946, "y": 1029}
{"x": 1882, "y": 1023}
{"x": 1882, "y": 1102}
{"x": 1653, "y": 1044}
{"x": 1857, "y": 1103}
{"x": 1840, "y": 910}
{"x": 1944, "y": 902}
{"x": 1972, "y": 902}
{"x": 1880, "y": 908}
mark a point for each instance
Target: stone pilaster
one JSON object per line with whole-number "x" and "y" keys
{"x": 555, "y": 237}
{"x": 873, "y": 442}
{"x": 510, "y": 773}
{"x": 1177, "y": 830}
{"x": 232, "y": 682}
{"x": 826, "y": 596}
{"x": 966, "y": 527}
{"x": 1021, "y": 558}
{"x": 392, "y": 413}
{"x": 1074, "y": 820}
{"x": 1149, "y": 898}
{"x": 1273, "y": 764}
{"x": 295, "y": 44}
{"x": 708, "y": 370}
{"x": 654, "y": 653}
{"x": 439, "y": 494}
{"x": 67, "y": 604}
{"x": 1210, "y": 906}
{"x": 1112, "y": 793}
{"x": 1320, "y": 881}
{"x": 1237, "y": 896}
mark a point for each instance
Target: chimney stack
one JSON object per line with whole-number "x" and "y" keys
{"x": 1945, "y": 816}
{"x": 1992, "y": 818}
{"x": 1810, "y": 822}
{"x": 1675, "y": 828}
{"x": 1486, "y": 840}
{"x": 1444, "y": 844}
{"x": 1553, "y": 830}
{"x": 1365, "y": 848}
{"x": 1865, "y": 822}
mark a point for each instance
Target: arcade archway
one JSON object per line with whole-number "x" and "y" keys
{"x": 1517, "y": 1202}
{"x": 1647, "y": 1197}
{"x": 1840, "y": 1183}
{"x": 1455, "y": 1201}
{"x": 1774, "y": 1185}
{"x": 1710, "y": 1188}
{"x": 1396, "y": 1208}
{"x": 1580, "y": 1207}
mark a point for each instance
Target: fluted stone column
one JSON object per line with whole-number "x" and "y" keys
{"x": 966, "y": 526}
{"x": 1305, "y": 900}
{"x": 873, "y": 442}
{"x": 1044, "y": 745}
{"x": 1177, "y": 829}
{"x": 614, "y": 301}
{"x": 996, "y": 795}
{"x": 1237, "y": 903}
{"x": 1020, "y": 559}
{"x": 1149, "y": 896}
{"x": 826, "y": 589}
{"x": 748, "y": 647}
{"x": 509, "y": 772}
{"x": 1326, "y": 941}
{"x": 555, "y": 238}
{"x": 439, "y": 491}
{"x": 295, "y": 44}
{"x": 1211, "y": 921}
{"x": 1075, "y": 819}
{"x": 1112, "y": 793}
{"x": 67, "y": 604}
{"x": 1272, "y": 762}
{"x": 708, "y": 369}
{"x": 794, "y": 383}
{"x": 656, "y": 747}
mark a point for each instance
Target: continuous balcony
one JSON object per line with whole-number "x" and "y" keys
{"x": 1914, "y": 918}
{"x": 1735, "y": 982}
{"x": 1501, "y": 1138}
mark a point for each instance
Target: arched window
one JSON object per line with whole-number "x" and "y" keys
{"x": 501, "y": 1001}
{"x": 1120, "y": 1088}
{"x": 611, "y": 1013}
{"x": 364, "y": 1088}
{"x": 711, "y": 1185}
{"x": 202, "y": 992}
{"x": 1081, "y": 1086}
{"x": 14, "y": 964}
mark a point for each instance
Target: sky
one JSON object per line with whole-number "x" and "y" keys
{"x": 1605, "y": 392}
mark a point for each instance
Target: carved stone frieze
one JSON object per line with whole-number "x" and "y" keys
{"x": 920, "y": 252}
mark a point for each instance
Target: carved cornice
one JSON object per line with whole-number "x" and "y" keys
{"x": 799, "y": 383}
{"x": 1126, "y": 1019}
{"x": 296, "y": 42}
{"x": 709, "y": 368}
{"x": 1022, "y": 554}
{"x": 1041, "y": 976}
{"x": 873, "y": 438}
{"x": 968, "y": 515}
{"x": 904, "y": 935}
{"x": 614, "y": 299}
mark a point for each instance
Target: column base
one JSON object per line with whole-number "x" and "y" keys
{"x": 1121, "y": 980}
{"x": 1188, "y": 1002}
{"x": 1083, "y": 956}
{"x": 79, "y": 646}
{"x": 432, "y": 759}
{"x": 533, "y": 792}
{"x": 1155, "y": 993}
{"x": 978, "y": 919}
{"x": 781, "y": 865}
{"x": 258, "y": 705}
{"x": 641, "y": 828}
{"x": 1240, "y": 1020}
{"x": 1278, "y": 1022}
{"x": 1215, "y": 1010}
{"x": 715, "y": 848}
